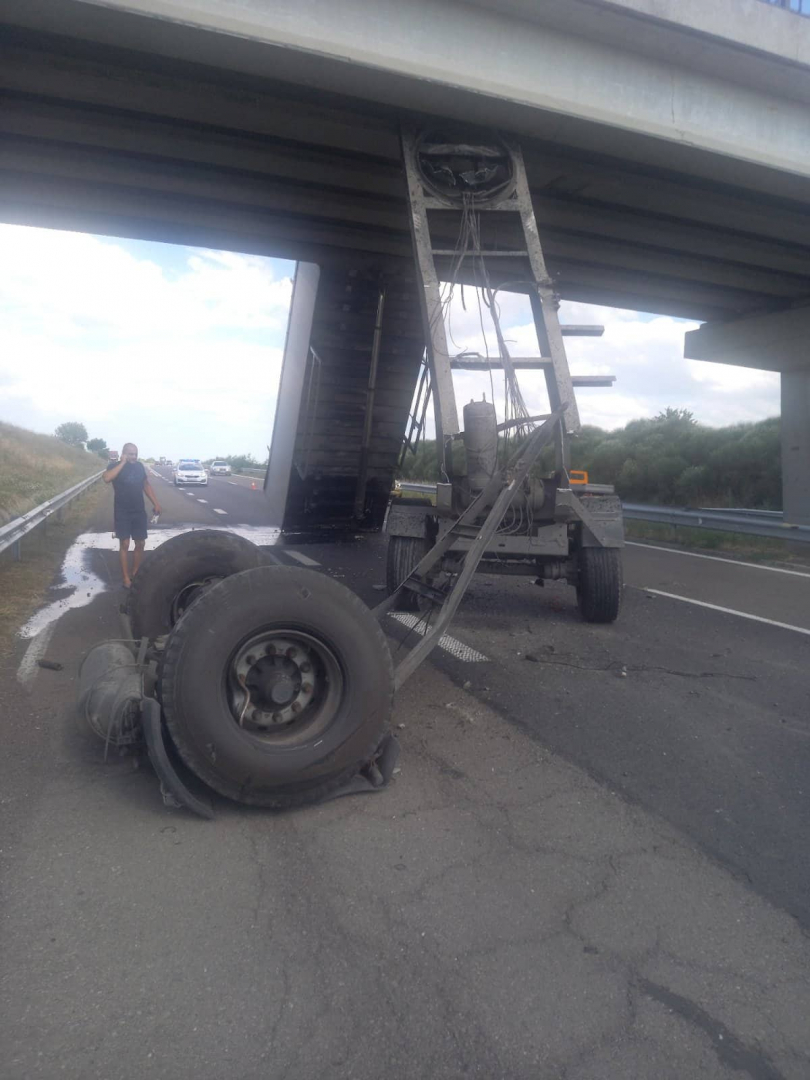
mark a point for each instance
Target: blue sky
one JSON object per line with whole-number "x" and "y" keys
{"x": 179, "y": 349}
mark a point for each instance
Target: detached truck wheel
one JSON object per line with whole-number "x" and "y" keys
{"x": 599, "y": 591}
{"x": 276, "y": 686}
{"x": 404, "y": 554}
{"x": 172, "y": 576}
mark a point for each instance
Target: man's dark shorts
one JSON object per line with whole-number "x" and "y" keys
{"x": 130, "y": 524}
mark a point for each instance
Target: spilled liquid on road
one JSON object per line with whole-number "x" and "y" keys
{"x": 80, "y": 584}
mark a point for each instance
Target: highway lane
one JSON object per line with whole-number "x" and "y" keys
{"x": 222, "y": 501}
{"x": 493, "y": 913}
{"x": 496, "y": 912}
{"x": 695, "y": 713}
{"x": 763, "y": 592}
{"x": 698, "y": 715}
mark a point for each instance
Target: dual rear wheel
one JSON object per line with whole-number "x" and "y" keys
{"x": 276, "y": 683}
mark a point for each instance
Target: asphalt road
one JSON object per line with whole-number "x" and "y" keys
{"x": 698, "y": 714}
{"x": 224, "y": 500}
{"x": 592, "y": 864}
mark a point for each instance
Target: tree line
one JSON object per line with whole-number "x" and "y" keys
{"x": 74, "y": 433}
{"x": 671, "y": 460}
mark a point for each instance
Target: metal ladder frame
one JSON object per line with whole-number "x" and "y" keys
{"x": 563, "y": 420}
{"x": 516, "y": 200}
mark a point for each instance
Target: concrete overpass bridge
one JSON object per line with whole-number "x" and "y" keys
{"x": 667, "y": 145}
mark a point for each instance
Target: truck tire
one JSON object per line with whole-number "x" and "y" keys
{"x": 319, "y": 682}
{"x": 171, "y": 576}
{"x": 599, "y": 589}
{"x": 404, "y": 553}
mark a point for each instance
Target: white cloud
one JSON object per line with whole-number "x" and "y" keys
{"x": 180, "y": 351}
{"x": 645, "y": 353}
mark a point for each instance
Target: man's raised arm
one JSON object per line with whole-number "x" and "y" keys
{"x": 110, "y": 474}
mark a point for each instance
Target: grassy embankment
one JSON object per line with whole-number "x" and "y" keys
{"x": 34, "y": 468}
{"x": 734, "y": 545}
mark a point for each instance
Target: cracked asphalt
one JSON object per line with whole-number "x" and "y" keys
{"x": 503, "y": 910}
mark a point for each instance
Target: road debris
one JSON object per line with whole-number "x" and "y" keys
{"x": 51, "y": 665}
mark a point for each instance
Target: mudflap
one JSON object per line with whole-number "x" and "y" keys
{"x": 375, "y": 774}
{"x": 174, "y": 791}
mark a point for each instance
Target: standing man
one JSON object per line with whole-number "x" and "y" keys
{"x": 130, "y": 483}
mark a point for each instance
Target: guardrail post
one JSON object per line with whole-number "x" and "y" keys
{"x": 16, "y": 550}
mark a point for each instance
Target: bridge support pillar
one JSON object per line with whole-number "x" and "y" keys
{"x": 796, "y": 446}
{"x": 777, "y": 341}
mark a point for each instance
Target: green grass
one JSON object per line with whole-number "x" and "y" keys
{"x": 34, "y": 468}
{"x": 750, "y": 548}
{"x": 24, "y": 584}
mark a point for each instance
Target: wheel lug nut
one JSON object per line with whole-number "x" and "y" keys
{"x": 256, "y": 714}
{"x": 291, "y": 652}
{"x": 306, "y": 688}
{"x": 251, "y": 659}
{"x": 306, "y": 666}
{"x": 296, "y": 706}
{"x": 277, "y": 717}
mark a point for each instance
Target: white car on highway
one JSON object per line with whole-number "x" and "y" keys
{"x": 220, "y": 468}
{"x": 189, "y": 471}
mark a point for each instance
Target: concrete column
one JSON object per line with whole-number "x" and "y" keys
{"x": 796, "y": 446}
{"x": 291, "y": 388}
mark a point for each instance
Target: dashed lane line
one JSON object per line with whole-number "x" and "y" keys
{"x": 303, "y": 559}
{"x": 202, "y": 500}
{"x": 219, "y": 511}
{"x": 449, "y": 644}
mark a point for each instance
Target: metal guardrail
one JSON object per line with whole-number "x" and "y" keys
{"x": 750, "y": 523}
{"x": 768, "y": 523}
{"x": 773, "y": 515}
{"x": 13, "y": 531}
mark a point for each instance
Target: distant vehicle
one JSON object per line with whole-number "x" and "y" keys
{"x": 113, "y": 455}
{"x": 189, "y": 471}
{"x": 220, "y": 468}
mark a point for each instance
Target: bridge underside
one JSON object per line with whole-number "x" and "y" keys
{"x": 125, "y": 142}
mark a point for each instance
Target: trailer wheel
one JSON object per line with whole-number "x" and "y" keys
{"x": 599, "y": 590}
{"x": 276, "y": 686}
{"x": 172, "y": 576}
{"x": 404, "y": 553}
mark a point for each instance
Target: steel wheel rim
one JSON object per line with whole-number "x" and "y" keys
{"x": 183, "y": 600}
{"x": 284, "y": 686}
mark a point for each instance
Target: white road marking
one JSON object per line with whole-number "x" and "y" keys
{"x": 730, "y": 611}
{"x": 718, "y": 558}
{"x": 449, "y": 644}
{"x": 202, "y": 500}
{"x": 303, "y": 559}
{"x": 82, "y": 585}
{"x": 233, "y": 483}
{"x": 219, "y": 511}
{"x": 27, "y": 670}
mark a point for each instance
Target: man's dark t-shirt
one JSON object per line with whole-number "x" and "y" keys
{"x": 128, "y": 486}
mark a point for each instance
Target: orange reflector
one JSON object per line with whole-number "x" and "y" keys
{"x": 577, "y": 476}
